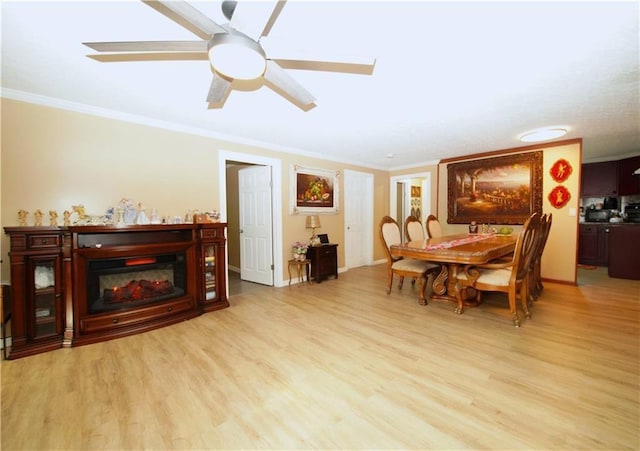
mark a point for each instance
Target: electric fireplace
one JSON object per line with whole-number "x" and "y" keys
{"x": 133, "y": 279}
{"x": 124, "y": 283}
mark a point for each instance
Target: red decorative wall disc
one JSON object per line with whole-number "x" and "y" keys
{"x": 561, "y": 170}
{"x": 559, "y": 196}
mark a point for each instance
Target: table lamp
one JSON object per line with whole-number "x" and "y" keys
{"x": 313, "y": 222}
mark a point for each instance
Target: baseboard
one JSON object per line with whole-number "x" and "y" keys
{"x": 561, "y": 282}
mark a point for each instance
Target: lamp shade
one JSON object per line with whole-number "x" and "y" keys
{"x": 313, "y": 222}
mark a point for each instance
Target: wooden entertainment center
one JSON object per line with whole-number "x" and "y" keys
{"x": 84, "y": 284}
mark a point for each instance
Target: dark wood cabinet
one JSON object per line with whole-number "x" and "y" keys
{"x": 37, "y": 307}
{"x": 628, "y": 183}
{"x": 599, "y": 179}
{"x": 624, "y": 251}
{"x": 212, "y": 267}
{"x": 593, "y": 244}
{"x": 324, "y": 261}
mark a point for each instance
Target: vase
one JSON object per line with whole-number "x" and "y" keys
{"x": 299, "y": 257}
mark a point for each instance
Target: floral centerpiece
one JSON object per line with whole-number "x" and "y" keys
{"x": 299, "y": 250}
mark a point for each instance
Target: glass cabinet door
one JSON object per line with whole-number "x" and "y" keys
{"x": 210, "y": 272}
{"x": 45, "y": 308}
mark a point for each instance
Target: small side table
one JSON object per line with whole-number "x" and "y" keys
{"x": 300, "y": 265}
{"x": 324, "y": 259}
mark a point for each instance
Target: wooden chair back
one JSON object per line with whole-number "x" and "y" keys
{"x": 434, "y": 229}
{"x": 535, "y": 281}
{"x": 389, "y": 231}
{"x": 525, "y": 254}
{"x": 413, "y": 229}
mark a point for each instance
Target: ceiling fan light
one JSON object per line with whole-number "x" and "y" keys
{"x": 543, "y": 134}
{"x": 236, "y": 56}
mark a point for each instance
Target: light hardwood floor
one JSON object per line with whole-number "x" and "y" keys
{"x": 342, "y": 365}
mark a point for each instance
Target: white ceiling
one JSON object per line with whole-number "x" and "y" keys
{"x": 451, "y": 78}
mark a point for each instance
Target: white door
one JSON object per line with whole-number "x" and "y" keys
{"x": 256, "y": 235}
{"x": 358, "y": 218}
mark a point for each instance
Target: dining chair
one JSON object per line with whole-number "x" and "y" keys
{"x": 535, "y": 281}
{"x": 434, "y": 229}
{"x": 413, "y": 229}
{"x": 389, "y": 231}
{"x": 508, "y": 277}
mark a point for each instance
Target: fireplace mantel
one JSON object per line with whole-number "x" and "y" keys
{"x": 86, "y": 265}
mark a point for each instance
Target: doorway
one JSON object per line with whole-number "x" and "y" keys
{"x": 229, "y": 195}
{"x": 401, "y": 201}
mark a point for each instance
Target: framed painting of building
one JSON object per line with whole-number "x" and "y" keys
{"x": 314, "y": 191}
{"x": 499, "y": 190}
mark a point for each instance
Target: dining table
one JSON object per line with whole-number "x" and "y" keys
{"x": 454, "y": 252}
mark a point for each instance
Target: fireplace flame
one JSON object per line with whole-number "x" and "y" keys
{"x": 137, "y": 290}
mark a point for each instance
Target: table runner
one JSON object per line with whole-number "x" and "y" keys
{"x": 458, "y": 242}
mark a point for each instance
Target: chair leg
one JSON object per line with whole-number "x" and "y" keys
{"x": 389, "y": 280}
{"x": 532, "y": 293}
{"x": 538, "y": 275}
{"x": 422, "y": 286}
{"x": 524, "y": 297}
{"x": 512, "y": 306}
{"x": 400, "y": 282}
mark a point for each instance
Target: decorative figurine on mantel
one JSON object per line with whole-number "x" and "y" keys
{"x": 22, "y": 218}
{"x": 66, "y": 218}
{"x": 53, "y": 218}
{"x": 37, "y": 215}
{"x": 141, "y": 217}
{"x": 155, "y": 217}
{"x": 109, "y": 216}
{"x": 82, "y": 215}
{"x": 129, "y": 210}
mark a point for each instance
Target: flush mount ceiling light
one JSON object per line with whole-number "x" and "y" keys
{"x": 543, "y": 134}
{"x": 236, "y": 56}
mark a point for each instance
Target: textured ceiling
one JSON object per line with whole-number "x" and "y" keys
{"x": 451, "y": 78}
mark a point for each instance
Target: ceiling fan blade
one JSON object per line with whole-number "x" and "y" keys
{"x": 187, "y": 16}
{"x": 255, "y": 19}
{"x": 151, "y": 56}
{"x": 363, "y": 68}
{"x": 149, "y": 46}
{"x": 283, "y": 83}
{"x": 218, "y": 91}
{"x": 291, "y": 57}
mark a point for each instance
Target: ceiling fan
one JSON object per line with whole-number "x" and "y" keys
{"x": 240, "y": 52}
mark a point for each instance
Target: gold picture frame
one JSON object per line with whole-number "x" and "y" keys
{"x": 499, "y": 190}
{"x": 314, "y": 191}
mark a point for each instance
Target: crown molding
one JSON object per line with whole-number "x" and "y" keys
{"x": 150, "y": 122}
